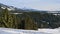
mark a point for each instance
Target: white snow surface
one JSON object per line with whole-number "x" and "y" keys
{"x": 21, "y": 31}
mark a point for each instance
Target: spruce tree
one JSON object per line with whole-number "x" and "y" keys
{"x": 29, "y": 23}
{"x": 7, "y": 19}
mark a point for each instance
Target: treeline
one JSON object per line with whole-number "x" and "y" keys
{"x": 28, "y": 20}
{"x": 45, "y": 20}
{"x": 10, "y": 20}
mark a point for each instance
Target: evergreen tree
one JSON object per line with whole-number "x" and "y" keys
{"x": 29, "y": 23}
{"x": 7, "y": 19}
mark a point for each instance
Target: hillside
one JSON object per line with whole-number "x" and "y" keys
{"x": 38, "y": 19}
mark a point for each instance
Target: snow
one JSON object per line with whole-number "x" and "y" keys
{"x": 17, "y": 13}
{"x": 53, "y": 31}
{"x": 3, "y": 7}
{"x": 21, "y": 31}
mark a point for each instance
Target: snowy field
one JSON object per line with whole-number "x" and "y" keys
{"x": 20, "y": 31}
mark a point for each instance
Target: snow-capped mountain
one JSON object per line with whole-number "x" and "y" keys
{"x": 17, "y": 9}
{"x": 8, "y": 7}
{"x": 2, "y": 6}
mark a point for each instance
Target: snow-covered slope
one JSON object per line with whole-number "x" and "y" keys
{"x": 20, "y": 31}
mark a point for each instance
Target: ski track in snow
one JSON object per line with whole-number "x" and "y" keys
{"x": 20, "y": 31}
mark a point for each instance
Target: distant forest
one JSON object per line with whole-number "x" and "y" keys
{"x": 28, "y": 20}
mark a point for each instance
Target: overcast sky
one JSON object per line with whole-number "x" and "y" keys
{"x": 36, "y": 4}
